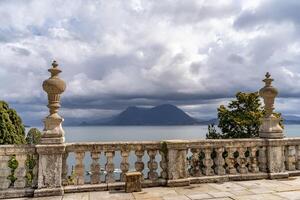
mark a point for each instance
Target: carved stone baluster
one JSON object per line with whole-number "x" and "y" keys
{"x": 139, "y": 164}
{"x": 35, "y": 172}
{"x": 208, "y": 162}
{"x": 95, "y": 167}
{"x": 124, "y": 163}
{"x": 152, "y": 165}
{"x": 262, "y": 159}
{"x": 64, "y": 173}
{"x": 79, "y": 168}
{"x": 298, "y": 157}
{"x": 242, "y": 161}
{"x": 290, "y": 158}
{"x": 4, "y": 170}
{"x": 20, "y": 171}
{"x": 219, "y": 161}
{"x": 164, "y": 165}
{"x": 253, "y": 160}
{"x": 110, "y": 167}
{"x": 230, "y": 161}
{"x": 195, "y": 162}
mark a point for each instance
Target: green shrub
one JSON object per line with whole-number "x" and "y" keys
{"x": 13, "y": 165}
{"x": 12, "y": 130}
{"x": 33, "y": 136}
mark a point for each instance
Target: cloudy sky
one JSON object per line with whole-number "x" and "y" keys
{"x": 195, "y": 54}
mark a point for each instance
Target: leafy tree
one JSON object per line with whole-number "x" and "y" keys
{"x": 240, "y": 119}
{"x": 33, "y": 136}
{"x": 12, "y": 130}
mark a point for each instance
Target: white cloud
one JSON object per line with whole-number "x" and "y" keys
{"x": 118, "y": 53}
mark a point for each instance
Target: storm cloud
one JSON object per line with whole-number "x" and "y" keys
{"x": 194, "y": 54}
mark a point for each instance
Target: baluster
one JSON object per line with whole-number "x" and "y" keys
{"x": 79, "y": 167}
{"x": 208, "y": 162}
{"x": 242, "y": 161}
{"x": 95, "y": 167}
{"x": 64, "y": 174}
{"x": 290, "y": 158}
{"x": 230, "y": 161}
{"x": 35, "y": 171}
{"x": 152, "y": 165}
{"x": 109, "y": 167}
{"x": 139, "y": 164}
{"x": 124, "y": 163}
{"x": 253, "y": 160}
{"x": 219, "y": 161}
{"x": 164, "y": 165}
{"x": 298, "y": 157}
{"x": 195, "y": 162}
{"x": 20, "y": 171}
{"x": 4, "y": 171}
{"x": 262, "y": 159}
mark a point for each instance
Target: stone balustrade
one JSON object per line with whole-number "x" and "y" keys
{"x": 102, "y": 177}
{"x": 18, "y": 170}
{"x": 166, "y": 163}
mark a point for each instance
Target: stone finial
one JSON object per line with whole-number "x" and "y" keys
{"x": 54, "y": 87}
{"x": 270, "y": 127}
{"x": 268, "y": 93}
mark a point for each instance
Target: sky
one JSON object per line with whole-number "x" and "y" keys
{"x": 195, "y": 54}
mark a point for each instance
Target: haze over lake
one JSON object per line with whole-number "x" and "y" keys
{"x": 126, "y": 133}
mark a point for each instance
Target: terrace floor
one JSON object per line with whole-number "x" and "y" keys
{"x": 256, "y": 190}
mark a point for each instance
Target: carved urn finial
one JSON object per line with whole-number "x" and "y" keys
{"x": 54, "y": 87}
{"x": 268, "y": 93}
{"x": 270, "y": 127}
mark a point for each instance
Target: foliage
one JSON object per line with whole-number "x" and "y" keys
{"x": 72, "y": 178}
{"x": 33, "y": 136}
{"x": 164, "y": 148}
{"x": 13, "y": 165}
{"x": 240, "y": 119}
{"x": 30, "y": 164}
{"x": 12, "y": 130}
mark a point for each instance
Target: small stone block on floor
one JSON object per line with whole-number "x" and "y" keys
{"x": 133, "y": 182}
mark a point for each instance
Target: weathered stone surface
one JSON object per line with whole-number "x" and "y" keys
{"x": 270, "y": 127}
{"x": 49, "y": 170}
{"x": 133, "y": 182}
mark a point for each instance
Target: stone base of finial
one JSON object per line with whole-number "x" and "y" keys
{"x": 53, "y": 132}
{"x": 270, "y": 128}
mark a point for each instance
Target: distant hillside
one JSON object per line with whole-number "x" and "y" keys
{"x": 160, "y": 115}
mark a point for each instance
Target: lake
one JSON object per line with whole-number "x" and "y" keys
{"x": 123, "y": 133}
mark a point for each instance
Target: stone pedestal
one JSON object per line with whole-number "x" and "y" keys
{"x": 49, "y": 170}
{"x": 270, "y": 128}
{"x": 133, "y": 182}
{"x": 275, "y": 160}
{"x": 53, "y": 132}
{"x": 177, "y": 164}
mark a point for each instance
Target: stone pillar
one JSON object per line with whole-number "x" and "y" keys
{"x": 51, "y": 147}
{"x": 177, "y": 163}
{"x": 272, "y": 131}
{"x": 270, "y": 127}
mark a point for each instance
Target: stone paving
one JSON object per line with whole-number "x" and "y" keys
{"x": 242, "y": 190}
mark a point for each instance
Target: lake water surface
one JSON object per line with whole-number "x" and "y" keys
{"x": 125, "y": 133}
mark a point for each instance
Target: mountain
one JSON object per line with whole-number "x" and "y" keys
{"x": 165, "y": 114}
{"x": 291, "y": 119}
